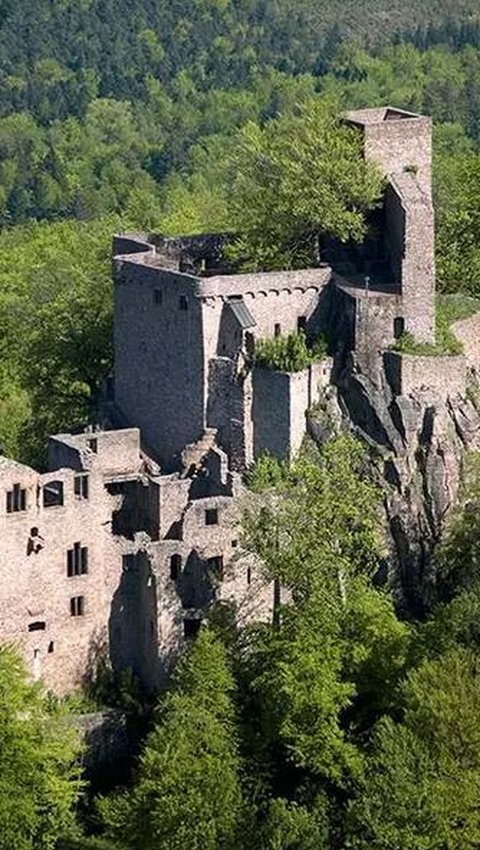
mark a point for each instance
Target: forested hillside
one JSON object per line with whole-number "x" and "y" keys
{"x": 341, "y": 725}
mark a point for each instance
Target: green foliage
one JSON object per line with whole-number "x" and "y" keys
{"x": 333, "y": 661}
{"x": 326, "y": 524}
{"x": 458, "y": 253}
{"x": 267, "y": 473}
{"x": 292, "y": 826}
{"x": 39, "y": 775}
{"x": 449, "y": 309}
{"x": 296, "y": 179}
{"x": 421, "y": 787}
{"x": 56, "y": 319}
{"x": 289, "y": 353}
{"x": 187, "y": 793}
{"x": 458, "y": 558}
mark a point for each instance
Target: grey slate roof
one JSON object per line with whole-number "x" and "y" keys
{"x": 241, "y": 313}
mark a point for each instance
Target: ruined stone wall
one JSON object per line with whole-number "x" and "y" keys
{"x": 114, "y": 453}
{"x": 280, "y": 403}
{"x": 468, "y": 332}
{"x": 399, "y": 144}
{"x": 273, "y": 298}
{"x": 34, "y": 584}
{"x": 418, "y": 262}
{"x": 441, "y": 376}
{"x": 159, "y": 357}
{"x": 374, "y": 331}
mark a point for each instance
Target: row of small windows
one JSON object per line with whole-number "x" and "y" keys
{"x": 182, "y": 300}
{"x": 52, "y": 494}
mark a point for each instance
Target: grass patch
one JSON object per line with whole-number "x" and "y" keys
{"x": 449, "y": 309}
{"x": 289, "y": 353}
{"x": 452, "y": 308}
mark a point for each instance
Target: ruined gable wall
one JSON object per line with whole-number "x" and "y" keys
{"x": 280, "y": 403}
{"x": 418, "y": 261}
{"x": 35, "y": 586}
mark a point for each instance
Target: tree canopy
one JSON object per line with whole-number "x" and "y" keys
{"x": 39, "y": 772}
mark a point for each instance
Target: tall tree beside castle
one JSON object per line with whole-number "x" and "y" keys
{"x": 188, "y": 791}
{"x": 39, "y": 772}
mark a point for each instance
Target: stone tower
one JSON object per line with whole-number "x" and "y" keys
{"x": 400, "y": 143}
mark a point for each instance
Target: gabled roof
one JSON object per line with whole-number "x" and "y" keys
{"x": 241, "y": 313}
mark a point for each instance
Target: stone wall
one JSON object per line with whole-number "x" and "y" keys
{"x": 375, "y": 316}
{"x": 441, "y": 376}
{"x": 468, "y": 332}
{"x": 396, "y": 140}
{"x": 280, "y": 403}
{"x": 160, "y": 380}
{"x": 418, "y": 261}
{"x": 35, "y": 587}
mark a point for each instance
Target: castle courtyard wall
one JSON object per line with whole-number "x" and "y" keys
{"x": 441, "y": 376}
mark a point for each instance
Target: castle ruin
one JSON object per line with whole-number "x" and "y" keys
{"x": 136, "y": 529}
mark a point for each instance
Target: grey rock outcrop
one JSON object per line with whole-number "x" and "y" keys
{"x": 418, "y": 442}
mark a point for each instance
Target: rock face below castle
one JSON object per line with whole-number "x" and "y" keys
{"x": 119, "y": 550}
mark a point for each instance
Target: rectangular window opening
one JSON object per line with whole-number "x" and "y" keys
{"x": 183, "y": 302}
{"x": 277, "y": 329}
{"x": 53, "y": 494}
{"x": 38, "y": 626}
{"x": 92, "y": 444}
{"x": 191, "y": 627}
{"x": 302, "y": 323}
{"x": 211, "y": 516}
{"x": 215, "y": 566}
{"x": 77, "y": 606}
{"x": 16, "y": 499}
{"x": 80, "y": 486}
{"x": 77, "y": 560}
{"x": 157, "y": 296}
{"x": 128, "y": 563}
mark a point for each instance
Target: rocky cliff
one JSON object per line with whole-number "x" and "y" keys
{"x": 419, "y": 440}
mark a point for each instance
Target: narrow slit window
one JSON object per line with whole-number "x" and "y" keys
{"x": 92, "y": 444}
{"x": 183, "y": 302}
{"x": 157, "y": 296}
{"x": 175, "y": 567}
{"x": 302, "y": 323}
{"x": 37, "y": 626}
{"x": 277, "y": 329}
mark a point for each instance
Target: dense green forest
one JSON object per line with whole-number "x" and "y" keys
{"x": 339, "y": 726}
